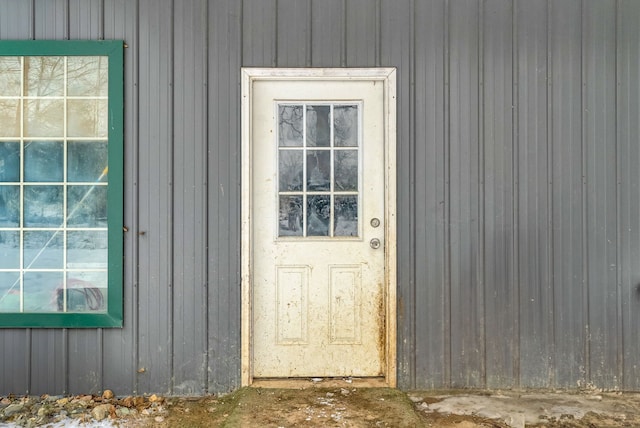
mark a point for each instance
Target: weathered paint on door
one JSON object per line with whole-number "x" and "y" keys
{"x": 317, "y": 298}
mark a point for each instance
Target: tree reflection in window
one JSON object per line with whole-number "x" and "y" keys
{"x": 318, "y": 169}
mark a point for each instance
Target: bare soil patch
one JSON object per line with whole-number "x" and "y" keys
{"x": 311, "y": 407}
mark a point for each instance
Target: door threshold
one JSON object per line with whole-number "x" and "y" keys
{"x": 320, "y": 382}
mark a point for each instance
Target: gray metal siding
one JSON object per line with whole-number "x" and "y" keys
{"x": 497, "y": 195}
{"x": 189, "y": 205}
{"x": 428, "y": 336}
{"x": 226, "y": 26}
{"x": 530, "y": 168}
{"x": 627, "y": 195}
{"x": 599, "y": 98}
{"x": 518, "y": 203}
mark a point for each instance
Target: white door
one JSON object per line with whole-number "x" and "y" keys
{"x": 317, "y": 228}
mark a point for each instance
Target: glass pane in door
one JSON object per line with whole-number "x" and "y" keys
{"x": 319, "y": 169}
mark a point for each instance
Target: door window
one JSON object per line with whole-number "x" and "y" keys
{"x": 319, "y": 169}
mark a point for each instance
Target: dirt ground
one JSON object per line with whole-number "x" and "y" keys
{"x": 313, "y": 407}
{"x": 328, "y": 403}
{"x": 348, "y": 406}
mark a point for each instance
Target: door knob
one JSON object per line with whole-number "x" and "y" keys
{"x": 375, "y": 243}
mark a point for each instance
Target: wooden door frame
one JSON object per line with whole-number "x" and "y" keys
{"x": 385, "y": 75}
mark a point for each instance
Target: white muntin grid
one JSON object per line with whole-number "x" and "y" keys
{"x": 63, "y": 228}
{"x": 332, "y": 149}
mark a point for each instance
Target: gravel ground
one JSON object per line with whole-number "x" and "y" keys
{"x": 81, "y": 410}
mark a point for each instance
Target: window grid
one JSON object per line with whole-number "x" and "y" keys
{"x": 332, "y": 149}
{"x": 24, "y": 141}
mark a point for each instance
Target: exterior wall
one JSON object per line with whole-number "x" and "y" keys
{"x": 518, "y": 179}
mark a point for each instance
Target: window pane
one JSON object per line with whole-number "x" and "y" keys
{"x": 43, "y": 250}
{"x": 9, "y": 292}
{"x": 86, "y": 161}
{"x": 290, "y": 126}
{"x": 318, "y": 170}
{"x": 290, "y": 216}
{"x": 346, "y": 170}
{"x": 41, "y": 291}
{"x": 330, "y": 169}
{"x": 43, "y": 161}
{"x": 9, "y": 118}
{"x": 318, "y": 129}
{"x": 54, "y": 153}
{"x": 10, "y": 76}
{"x": 87, "y": 118}
{"x": 290, "y": 170}
{"x": 43, "y": 206}
{"x": 318, "y": 214}
{"x": 87, "y": 249}
{"x": 87, "y": 75}
{"x": 45, "y": 76}
{"x": 9, "y": 206}
{"x": 345, "y": 124}
{"x": 86, "y": 292}
{"x": 9, "y": 162}
{"x": 44, "y": 118}
{"x": 87, "y": 206}
{"x": 346, "y": 217}
{"x": 9, "y": 250}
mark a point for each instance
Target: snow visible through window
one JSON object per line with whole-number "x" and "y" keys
{"x": 53, "y": 183}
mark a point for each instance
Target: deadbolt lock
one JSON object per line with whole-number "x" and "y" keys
{"x": 375, "y": 222}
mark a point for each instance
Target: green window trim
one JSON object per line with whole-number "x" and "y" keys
{"x": 113, "y": 315}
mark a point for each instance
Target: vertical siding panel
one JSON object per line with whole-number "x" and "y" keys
{"x": 327, "y": 31}
{"x": 48, "y": 371}
{"x": 16, "y": 20}
{"x": 628, "y": 129}
{"x": 86, "y": 19}
{"x": 447, "y": 193}
{"x": 51, "y": 19}
{"x": 431, "y": 289}
{"x": 84, "y": 362}
{"x": 225, "y": 48}
{"x": 466, "y": 286}
{"x": 259, "y": 33}
{"x": 536, "y": 311}
{"x": 568, "y": 281}
{"x": 14, "y": 361}
{"x": 190, "y": 151}
{"x": 155, "y": 197}
{"x": 293, "y": 32}
{"x": 498, "y": 206}
{"x": 120, "y": 348}
{"x": 396, "y": 50}
{"x": 600, "y": 140}
{"x": 361, "y": 23}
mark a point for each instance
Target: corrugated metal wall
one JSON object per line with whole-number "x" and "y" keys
{"x": 518, "y": 197}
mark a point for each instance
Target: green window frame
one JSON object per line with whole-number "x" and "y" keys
{"x": 61, "y": 183}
